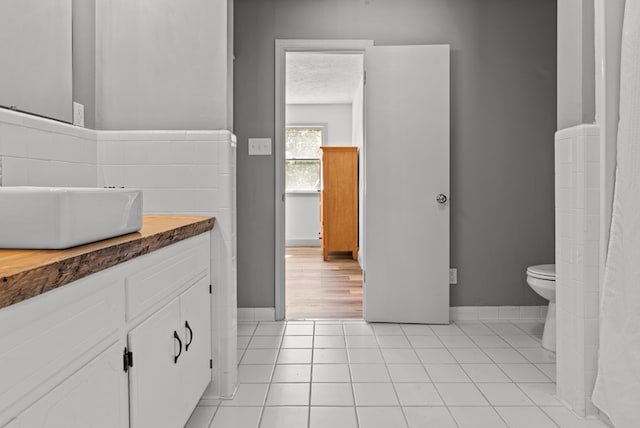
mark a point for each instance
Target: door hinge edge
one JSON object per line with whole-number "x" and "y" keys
{"x": 127, "y": 359}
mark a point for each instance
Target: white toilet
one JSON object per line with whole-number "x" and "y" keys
{"x": 542, "y": 278}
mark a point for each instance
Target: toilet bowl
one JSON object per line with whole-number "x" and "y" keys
{"x": 542, "y": 279}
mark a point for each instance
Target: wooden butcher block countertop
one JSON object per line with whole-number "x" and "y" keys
{"x": 29, "y": 273}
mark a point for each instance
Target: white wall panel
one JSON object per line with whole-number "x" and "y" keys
{"x": 577, "y": 206}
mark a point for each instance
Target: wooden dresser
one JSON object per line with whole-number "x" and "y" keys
{"x": 339, "y": 200}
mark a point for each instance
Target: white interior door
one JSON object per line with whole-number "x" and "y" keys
{"x": 406, "y": 236}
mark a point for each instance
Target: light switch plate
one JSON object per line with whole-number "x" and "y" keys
{"x": 453, "y": 276}
{"x": 259, "y": 146}
{"x": 78, "y": 114}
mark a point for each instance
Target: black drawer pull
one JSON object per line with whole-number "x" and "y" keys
{"x": 188, "y": 327}
{"x": 175, "y": 336}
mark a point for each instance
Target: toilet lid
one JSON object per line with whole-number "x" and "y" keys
{"x": 547, "y": 272}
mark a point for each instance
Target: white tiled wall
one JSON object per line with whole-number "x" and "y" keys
{"x": 577, "y": 206}
{"x": 256, "y": 314}
{"x": 187, "y": 172}
{"x": 41, "y": 152}
{"x": 180, "y": 172}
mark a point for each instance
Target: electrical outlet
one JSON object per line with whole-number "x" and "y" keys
{"x": 259, "y": 146}
{"x": 78, "y": 114}
{"x": 453, "y": 276}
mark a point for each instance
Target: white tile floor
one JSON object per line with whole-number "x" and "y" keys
{"x": 350, "y": 374}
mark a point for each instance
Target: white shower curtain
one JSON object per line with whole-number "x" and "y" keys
{"x": 617, "y": 390}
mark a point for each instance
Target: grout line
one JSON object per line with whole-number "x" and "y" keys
{"x": 266, "y": 397}
{"x": 386, "y": 366}
{"x": 386, "y": 363}
{"x": 244, "y": 351}
{"x": 213, "y": 416}
{"x": 492, "y": 362}
{"x": 422, "y": 364}
{"x": 313, "y": 349}
{"x": 549, "y": 416}
{"x": 353, "y": 391}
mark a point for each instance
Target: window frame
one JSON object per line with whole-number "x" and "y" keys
{"x": 323, "y": 129}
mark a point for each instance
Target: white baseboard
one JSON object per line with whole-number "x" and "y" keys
{"x": 303, "y": 242}
{"x": 494, "y": 313}
{"x": 208, "y": 402}
{"x": 456, "y": 313}
{"x": 256, "y": 314}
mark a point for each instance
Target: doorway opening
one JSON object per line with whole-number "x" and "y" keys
{"x": 322, "y": 112}
{"x": 404, "y": 236}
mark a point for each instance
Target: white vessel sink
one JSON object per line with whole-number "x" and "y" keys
{"x": 63, "y": 217}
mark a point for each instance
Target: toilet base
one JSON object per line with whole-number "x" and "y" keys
{"x": 549, "y": 332}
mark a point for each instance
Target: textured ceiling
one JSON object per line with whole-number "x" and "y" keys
{"x": 322, "y": 78}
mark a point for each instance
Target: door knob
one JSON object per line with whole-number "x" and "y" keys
{"x": 441, "y": 198}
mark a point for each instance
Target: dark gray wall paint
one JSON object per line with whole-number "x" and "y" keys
{"x": 84, "y": 58}
{"x": 576, "y": 63}
{"x": 503, "y": 119}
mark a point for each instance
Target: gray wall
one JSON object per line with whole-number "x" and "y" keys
{"x": 154, "y": 65}
{"x": 229, "y": 59}
{"x": 81, "y": 74}
{"x": 576, "y": 63}
{"x": 36, "y": 57}
{"x": 84, "y": 58}
{"x": 162, "y": 64}
{"x": 503, "y": 118}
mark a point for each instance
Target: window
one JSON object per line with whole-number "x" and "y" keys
{"x": 302, "y": 149}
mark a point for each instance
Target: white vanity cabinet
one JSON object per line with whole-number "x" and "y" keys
{"x": 65, "y": 355}
{"x": 60, "y": 357}
{"x": 92, "y": 397}
{"x": 171, "y": 360}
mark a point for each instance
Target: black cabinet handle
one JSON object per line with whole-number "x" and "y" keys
{"x": 175, "y": 336}
{"x": 188, "y": 327}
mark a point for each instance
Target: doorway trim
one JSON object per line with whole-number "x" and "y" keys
{"x": 282, "y": 46}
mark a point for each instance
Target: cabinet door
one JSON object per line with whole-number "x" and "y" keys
{"x": 195, "y": 310}
{"x": 94, "y": 397}
{"x": 154, "y": 380}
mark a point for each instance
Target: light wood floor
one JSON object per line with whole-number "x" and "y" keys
{"x": 320, "y": 290}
